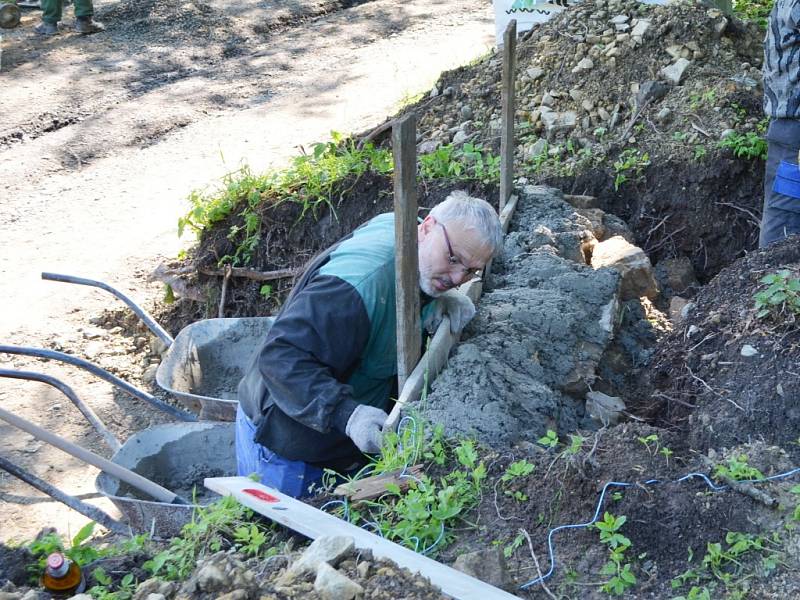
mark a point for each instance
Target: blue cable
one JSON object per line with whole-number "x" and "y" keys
{"x": 704, "y": 477}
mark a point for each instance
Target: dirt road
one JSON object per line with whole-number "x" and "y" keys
{"x": 103, "y": 137}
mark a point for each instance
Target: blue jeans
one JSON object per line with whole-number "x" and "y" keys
{"x": 292, "y": 477}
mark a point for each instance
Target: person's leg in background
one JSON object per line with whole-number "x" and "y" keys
{"x": 84, "y": 21}
{"x": 51, "y": 15}
{"x": 781, "y": 213}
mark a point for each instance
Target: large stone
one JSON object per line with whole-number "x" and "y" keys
{"x": 460, "y": 137}
{"x": 632, "y": 264}
{"x": 535, "y": 73}
{"x": 675, "y": 275}
{"x": 556, "y": 122}
{"x": 651, "y": 91}
{"x": 427, "y": 147}
{"x": 536, "y": 149}
{"x": 332, "y": 585}
{"x": 487, "y": 565}
{"x": 674, "y": 72}
{"x": 640, "y": 28}
{"x": 326, "y": 549}
{"x": 603, "y": 408}
{"x": 595, "y": 217}
{"x": 585, "y": 64}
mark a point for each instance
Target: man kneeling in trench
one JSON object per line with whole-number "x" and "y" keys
{"x": 315, "y": 396}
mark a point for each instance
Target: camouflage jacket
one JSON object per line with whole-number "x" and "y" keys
{"x": 782, "y": 61}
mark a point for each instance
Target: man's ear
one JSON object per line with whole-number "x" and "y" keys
{"x": 424, "y": 228}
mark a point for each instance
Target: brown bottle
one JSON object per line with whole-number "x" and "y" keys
{"x": 62, "y": 577}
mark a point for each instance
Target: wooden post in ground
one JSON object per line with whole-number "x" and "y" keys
{"x": 409, "y": 335}
{"x": 507, "y": 100}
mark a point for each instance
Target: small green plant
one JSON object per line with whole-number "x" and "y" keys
{"x": 738, "y": 469}
{"x": 695, "y": 593}
{"x": 102, "y": 590}
{"x": 311, "y": 180}
{"x": 629, "y": 162}
{"x": 420, "y": 516}
{"x": 549, "y": 440}
{"x": 679, "y": 136}
{"x": 517, "y": 470}
{"x": 265, "y": 290}
{"x": 575, "y": 444}
{"x": 780, "y": 298}
{"x": 510, "y": 548}
{"x": 666, "y": 453}
{"x": 749, "y": 145}
{"x": 79, "y": 551}
{"x": 753, "y": 10}
{"x": 224, "y": 524}
{"x": 650, "y": 442}
{"x": 700, "y": 152}
{"x": 621, "y": 575}
{"x": 470, "y": 161}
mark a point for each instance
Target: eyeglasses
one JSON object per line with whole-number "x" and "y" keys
{"x": 469, "y": 274}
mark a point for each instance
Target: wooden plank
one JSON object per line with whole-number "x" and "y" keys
{"x": 435, "y": 357}
{"x": 314, "y": 523}
{"x": 409, "y": 333}
{"x": 507, "y": 102}
{"x": 370, "y": 488}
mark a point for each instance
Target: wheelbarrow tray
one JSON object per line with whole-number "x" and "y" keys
{"x": 203, "y": 366}
{"x": 176, "y": 456}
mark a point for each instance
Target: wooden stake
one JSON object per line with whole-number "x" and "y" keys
{"x": 409, "y": 334}
{"x": 507, "y": 100}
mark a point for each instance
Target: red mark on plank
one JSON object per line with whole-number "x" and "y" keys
{"x": 261, "y": 495}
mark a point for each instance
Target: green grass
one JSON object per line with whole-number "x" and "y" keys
{"x": 313, "y": 180}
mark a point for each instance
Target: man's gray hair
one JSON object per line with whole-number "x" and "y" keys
{"x": 473, "y": 213}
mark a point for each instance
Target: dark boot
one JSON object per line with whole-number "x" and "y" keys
{"x": 45, "y": 28}
{"x": 87, "y": 25}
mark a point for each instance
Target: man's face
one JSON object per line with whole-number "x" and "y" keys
{"x": 443, "y": 266}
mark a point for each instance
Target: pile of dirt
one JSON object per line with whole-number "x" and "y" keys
{"x": 622, "y": 100}
{"x": 724, "y": 376}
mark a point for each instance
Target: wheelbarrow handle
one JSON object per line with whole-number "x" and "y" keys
{"x": 102, "y": 374}
{"x": 140, "y": 483}
{"x": 111, "y": 441}
{"x": 84, "y": 508}
{"x": 146, "y": 318}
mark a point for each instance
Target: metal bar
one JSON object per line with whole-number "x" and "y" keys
{"x": 145, "y": 485}
{"x": 146, "y": 318}
{"x": 87, "y": 510}
{"x": 102, "y": 374}
{"x": 507, "y": 101}
{"x": 111, "y": 441}
{"x": 407, "y": 301}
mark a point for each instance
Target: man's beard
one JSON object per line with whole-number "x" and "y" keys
{"x": 426, "y": 284}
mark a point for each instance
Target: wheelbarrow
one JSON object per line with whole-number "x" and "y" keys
{"x": 144, "y": 471}
{"x": 204, "y": 363}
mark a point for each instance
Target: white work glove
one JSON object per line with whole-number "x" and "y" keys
{"x": 455, "y": 305}
{"x": 364, "y": 427}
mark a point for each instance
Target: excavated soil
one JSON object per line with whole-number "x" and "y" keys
{"x": 691, "y": 198}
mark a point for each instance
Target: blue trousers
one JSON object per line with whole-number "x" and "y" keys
{"x": 292, "y": 477}
{"x": 781, "y": 214}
